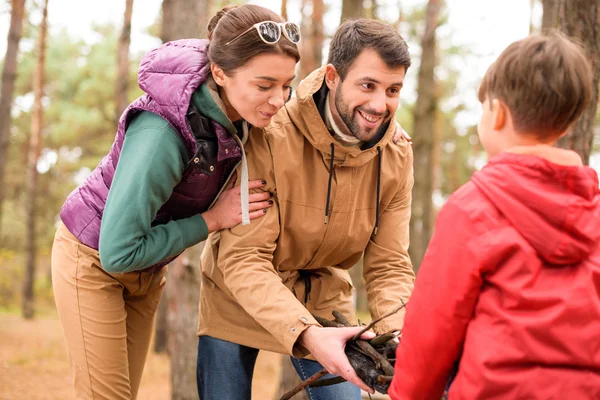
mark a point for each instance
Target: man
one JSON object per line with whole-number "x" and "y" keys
{"x": 340, "y": 188}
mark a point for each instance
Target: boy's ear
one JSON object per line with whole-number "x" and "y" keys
{"x": 564, "y": 133}
{"x": 501, "y": 114}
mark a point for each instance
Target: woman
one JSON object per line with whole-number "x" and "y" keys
{"x": 175, "y": 150}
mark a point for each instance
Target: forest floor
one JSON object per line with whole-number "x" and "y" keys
{"x": 34, "y": 364}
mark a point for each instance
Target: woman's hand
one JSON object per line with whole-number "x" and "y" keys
{"x": 400, "y": 133}
{"x": 227, "y": 211}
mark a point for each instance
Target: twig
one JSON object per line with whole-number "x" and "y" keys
{"x": 340, "y": 318}
{"x": 304, "y": 384}
{"x": 376, "y": 320}
{"x": 375, "y": 356}
{"x": 328, "y": 382}
{"x": 326, "y": 323}
{"x": 382, "y": 339}
{"x": 384, "y": 379}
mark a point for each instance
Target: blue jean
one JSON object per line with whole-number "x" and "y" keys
{"x": 341, "y": 391}
{"x": 224, "y": 371}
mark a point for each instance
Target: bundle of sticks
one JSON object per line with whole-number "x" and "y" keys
{"x": 373, "y": 360}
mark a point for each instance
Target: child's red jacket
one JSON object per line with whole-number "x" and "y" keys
{"x": 509, "y": 289}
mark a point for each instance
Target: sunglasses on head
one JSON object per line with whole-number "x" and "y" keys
{"x": 270, "y": 32}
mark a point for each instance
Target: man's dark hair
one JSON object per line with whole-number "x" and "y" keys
{"x": 354, "y": 36}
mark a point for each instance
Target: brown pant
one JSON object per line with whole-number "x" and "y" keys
{"x": 107, "y": 319}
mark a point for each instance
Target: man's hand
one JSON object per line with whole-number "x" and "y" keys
{"x": 327, "y": 346}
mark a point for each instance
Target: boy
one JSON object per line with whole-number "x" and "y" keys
{"x": 509, "y": 288}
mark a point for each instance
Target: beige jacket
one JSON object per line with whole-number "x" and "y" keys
{"x": 252, "y": 292}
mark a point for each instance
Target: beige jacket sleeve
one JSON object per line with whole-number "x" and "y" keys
{"x": 245, "y": 259}
{"x": 387, "y": 267}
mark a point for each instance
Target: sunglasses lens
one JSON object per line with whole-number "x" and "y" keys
{"x": 269, "y": 32}
{"x": 293, "y": 32}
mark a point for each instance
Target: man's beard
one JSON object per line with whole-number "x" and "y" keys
{"x": 349, "y": 117}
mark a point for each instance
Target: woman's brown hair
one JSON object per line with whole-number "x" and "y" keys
{"x": 230, "y": 22}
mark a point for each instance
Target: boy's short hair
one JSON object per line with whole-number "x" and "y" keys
{"x": 545, "y": 81}
{"x": 354, "y": 36}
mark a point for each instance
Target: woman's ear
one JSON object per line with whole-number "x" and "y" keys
{"x": 218, "y": 74}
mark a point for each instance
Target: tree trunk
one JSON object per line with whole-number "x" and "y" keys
{"x": 352, "y": 9}
{"x": 183, "y": 297}
{"x": 356, "y": 274}
{"x": 284, "y": 14}
{"x": 550, "y": 14}
{"x": 122, "y": 84}
{"x": 289, "y": 380}
{"x": 398, "y": 22}
{"x": 579, "y": 19}
{"x": 34, "y": 154}
{"x": 421, "y": 223}
{"x": 9, "y": 76}
{"x": 161, "y": 324}
{"x": 184, "y": 19}
{"x": 312, "y": 43}
{"x": 371, "y": 10}
{"x": 532, "y": 4}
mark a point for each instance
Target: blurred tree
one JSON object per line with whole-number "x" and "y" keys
{"x": 9, "y": 74}
{"x": 532, "y": 4}
{"x": 183, "y": 19}
{"x": 579, "y": 19}
{"x": 183, "y": 294}
{"x": 423, "y": 131}
{"x": 550, "y": 14}
{"x": 35, "y": 142}
{"x": 352, "y": 9}
{"x": 458, "y": 152}
{"x": 371, "y": 9}
{"x": 77, "y": 131}
{"x": 122, "y": 85}
{"x": 284, "y": 9}
{"x": 311, "y": 47}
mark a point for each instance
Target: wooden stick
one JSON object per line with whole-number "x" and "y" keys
{"x": 383, "y": 379}
{"x": 328, "y": 382}
{"x": 325, "y": 322}
{"x": 340, "y": 318}
{"x": 304, "y": 384}
{"x": 376, "y": 320}
{"x": 375, "y": 356}
{"x": 382, "y": 339}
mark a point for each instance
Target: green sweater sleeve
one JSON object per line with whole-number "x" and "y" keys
{"x": 151, "y": 164}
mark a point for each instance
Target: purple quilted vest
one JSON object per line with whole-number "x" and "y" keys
{"x": 168, "y": 75}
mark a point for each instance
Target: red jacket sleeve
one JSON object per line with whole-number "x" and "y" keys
{"x": 439, "y": 310}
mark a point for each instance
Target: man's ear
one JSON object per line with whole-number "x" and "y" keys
{"x": 501, "y": 114}
{"x": 332, "y": 78}
{"x": 218, "y": 74}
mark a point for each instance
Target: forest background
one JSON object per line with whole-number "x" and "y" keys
{"x": 69, "y": 70}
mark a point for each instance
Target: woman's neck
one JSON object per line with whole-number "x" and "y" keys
{"x": 231, "y": 112}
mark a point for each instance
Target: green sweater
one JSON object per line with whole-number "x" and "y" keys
{"x": 152, "y": 162}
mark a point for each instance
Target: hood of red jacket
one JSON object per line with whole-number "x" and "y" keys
{"x": 549, "y": 197}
